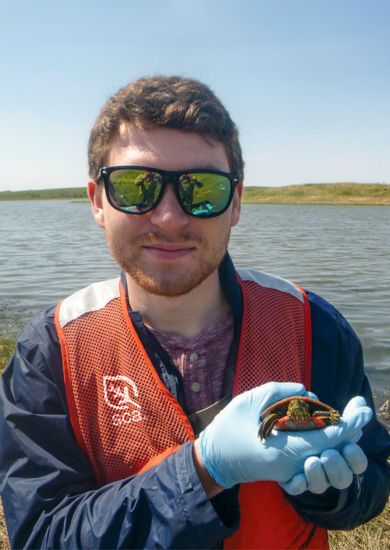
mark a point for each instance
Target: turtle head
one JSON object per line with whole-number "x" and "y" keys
{"x": 298, "y": 410}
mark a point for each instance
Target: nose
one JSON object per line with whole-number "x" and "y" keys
{"x": 168, "y": 214}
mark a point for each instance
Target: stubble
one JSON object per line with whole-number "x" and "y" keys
{"x": 168, "y": 278}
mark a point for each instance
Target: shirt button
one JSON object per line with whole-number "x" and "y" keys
{"x": 195, "y": 386}
{"x": 194, "y": 357}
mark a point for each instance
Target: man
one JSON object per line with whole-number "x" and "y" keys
{"x": 105, "y": 393}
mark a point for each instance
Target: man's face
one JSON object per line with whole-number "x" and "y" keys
{"x": 165, "y": 251}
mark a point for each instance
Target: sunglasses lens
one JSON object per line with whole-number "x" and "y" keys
{"x": 134, "y": 191}
{"x": 204, "y": 194}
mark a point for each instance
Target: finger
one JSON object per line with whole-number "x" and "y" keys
{"x": 296, "y": 485}
{"x": 354, "y": 436}
{"x": 342, "y": 433}
{"x": 274, "y": 391}
{"x": 315, "y": 475}
{"x": 311, "y": 395}
{"x": 349, "y": 429}
{"x": 355, "y": 458}
{"x": 356, "y": 414}
{"x": 262, "y": 396}
{"x": 354, "y": 403}
{"x": 356, "y": 420}
{"x": 337, "y": 470}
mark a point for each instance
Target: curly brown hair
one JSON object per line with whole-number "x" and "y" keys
{"x": 165, "y": 101}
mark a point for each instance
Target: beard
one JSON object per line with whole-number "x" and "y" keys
{"x": 171, "y": 278}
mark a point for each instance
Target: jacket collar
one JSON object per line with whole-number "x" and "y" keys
{"x": 231, "y": 288}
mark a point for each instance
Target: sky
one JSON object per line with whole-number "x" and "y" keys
{"x": 306, "y": 81}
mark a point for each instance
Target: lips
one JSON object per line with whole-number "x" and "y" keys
{"x": 169, "y": 246}
{"x": 168, "y": 250}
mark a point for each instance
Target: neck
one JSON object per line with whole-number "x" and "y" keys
{"x": 186, "y": 315}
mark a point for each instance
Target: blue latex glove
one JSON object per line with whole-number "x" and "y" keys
{"x": 232, "y": 452}
{"x": 333, "y": 468}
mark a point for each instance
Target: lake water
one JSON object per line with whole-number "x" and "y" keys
{"x": 51, "y": 248}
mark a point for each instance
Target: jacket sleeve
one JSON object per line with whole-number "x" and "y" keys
{"x": 50, "y": 496}
{"x": 337, "y": 376}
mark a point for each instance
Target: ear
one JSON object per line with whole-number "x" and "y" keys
{"x": 95, "y": 195}
{"x": 236, "y": 203}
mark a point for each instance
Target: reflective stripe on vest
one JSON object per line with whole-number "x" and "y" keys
{"x": 126, "y": 420}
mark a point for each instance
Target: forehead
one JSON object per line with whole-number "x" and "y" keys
{"x": 166, "y": 148}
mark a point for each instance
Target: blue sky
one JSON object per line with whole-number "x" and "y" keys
{"x": 307, "y": 81}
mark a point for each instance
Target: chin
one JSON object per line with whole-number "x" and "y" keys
{"x": 177, "y": 284}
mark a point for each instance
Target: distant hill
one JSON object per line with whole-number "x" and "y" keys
{"x": 309, "y": 193}
{"x": 45, "y": 194}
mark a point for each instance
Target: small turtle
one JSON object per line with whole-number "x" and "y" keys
{"x": 296, "y": 414}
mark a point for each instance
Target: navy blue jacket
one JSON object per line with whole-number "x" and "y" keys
{"x": 51, "y": 498}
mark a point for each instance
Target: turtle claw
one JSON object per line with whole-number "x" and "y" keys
{"x": 331, "y": 417}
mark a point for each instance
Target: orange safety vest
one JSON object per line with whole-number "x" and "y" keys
{"x": 126, "y": 420}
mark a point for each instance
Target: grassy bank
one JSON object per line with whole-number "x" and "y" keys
{"x": 321, "y": 193}
{"x": 72, "y": 193}
{"x": 377, "y": 194}
{"x": 374, "y": 535}
{"x": 6, "y": 350}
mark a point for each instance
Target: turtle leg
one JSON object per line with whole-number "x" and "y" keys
{"x": 329, "y": 417}
{"x": 267, "y": 424}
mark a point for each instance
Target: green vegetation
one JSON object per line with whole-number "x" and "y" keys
{"x": 375, "y": 194}
{"x": 321, "y": 193}
{"x": 7, "y": 346}
{"x": 45, "y": 194}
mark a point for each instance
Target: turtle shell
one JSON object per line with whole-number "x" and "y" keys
{"x": 278, "y": 416}
{"x": 280, "y": 407}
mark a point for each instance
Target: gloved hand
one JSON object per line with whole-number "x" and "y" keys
{"x": 232, "y": 452}
{"x": 332, "y": 468}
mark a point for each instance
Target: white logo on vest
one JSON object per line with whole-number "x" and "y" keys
{"x": 119, "y": 392}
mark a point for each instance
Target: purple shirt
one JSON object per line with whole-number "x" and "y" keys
{"x": 202, "y": 362}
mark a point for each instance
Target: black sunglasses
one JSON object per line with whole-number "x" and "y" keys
{"x": 139, "y": 189}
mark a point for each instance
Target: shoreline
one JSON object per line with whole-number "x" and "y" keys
{"x": 327, "y": 194}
